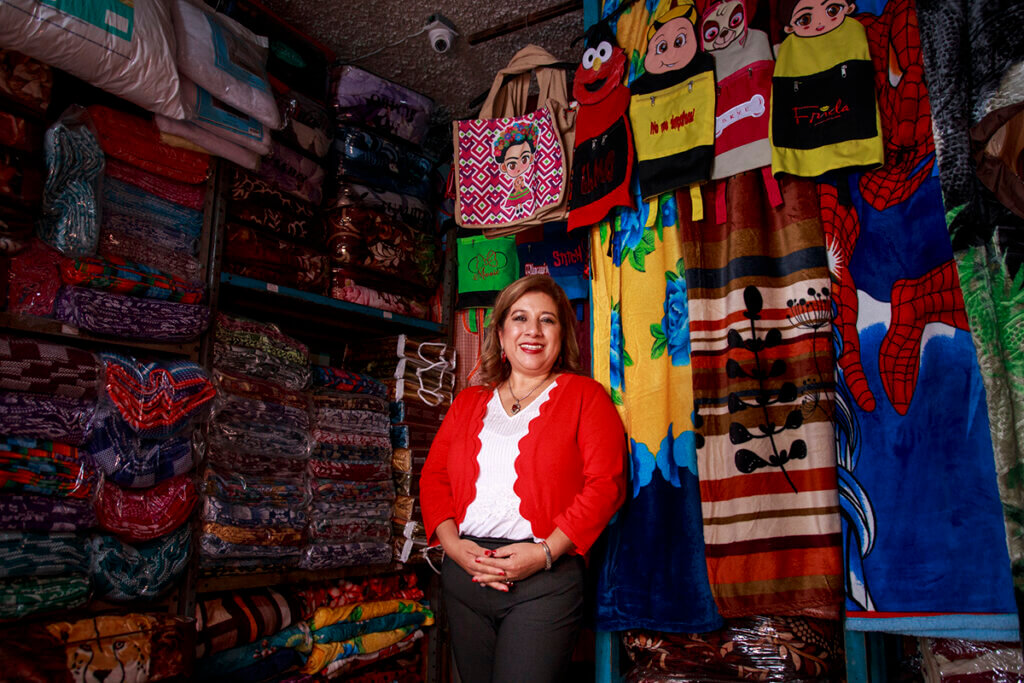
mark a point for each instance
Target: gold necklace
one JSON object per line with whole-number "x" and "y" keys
{"x": 515, "y": 408}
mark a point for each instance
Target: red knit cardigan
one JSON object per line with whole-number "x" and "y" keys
{"x": 571, "y": 464}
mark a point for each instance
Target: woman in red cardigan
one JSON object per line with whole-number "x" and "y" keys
{"x": 521, "y": 479}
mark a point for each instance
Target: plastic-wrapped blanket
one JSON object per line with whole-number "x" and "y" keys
{"x": 213, "y": 546}
{"x": 261, "y": 427}
{"x": 207, "y": 141}
{"x": 29, "y": 595}
{"x": 210, "y": 114}
{"x": 379, "y": 449}
{"x": 259, "y": 335}
{"x": 33, "y": 554}
{"x": 137, "y": 141}
{"x": 188, "y": 195}
{"x": 123, "y": 48}
{"x": 34, "y": 416}
{"x": 335, "y": 489}
{"x": 254, "y": 535}
{"x": 123, "y": 572}
{"x": 25, "y": 80}
{"x": 128, "y": 200}
{"x": 362, "y": 98}
{"x": 247, "y": 187}
{"x": 131, "y": 317}
{"x": 115, "y": 274}
{"x": 245, "y": 489}
{"x": 334, "y": 555}
{"x": 369, "y": 241}
{"x": 307, "y": 124}
{"x": 251, "y": 516}
{"x": 137, "y": 515}
{"x": 262, "y": 466}
{"x": 294, "y": 173}
{"x": 34, "y": 280}
{"x": 246, "y": 386}
{"x": 265, "y": 258}
{"x": 257, "y": 362}
{"x": 40, "y": 367}
{"x": 358, "y": 470}
{"x": 131, "y": 462}
{"x": 160, "y": 398}
{"x": 276, "y": 221}
{"x": 115, "y": 243}
{"x": 340, "y": 379}
{"x": 400, "y": 207}
{"x": 161, "y": 236}
{"x": 74, "y": 162}
{"x": 45, "y": 514}
{"x": 222, "y": 56}
{"x": 350, "y": 530}
{"x": 364, "y": 157}
{"x": 345, "y": 287}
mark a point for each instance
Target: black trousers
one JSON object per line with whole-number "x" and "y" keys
{"x": 526, "y": 634}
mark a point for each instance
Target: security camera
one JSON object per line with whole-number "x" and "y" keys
{"x": 440, "y": 32}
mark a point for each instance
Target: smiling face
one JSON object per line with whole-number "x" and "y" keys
{"x": 518, "y": 160}
{"x": 723, "y": 24}
{"x": 818, "y": 17}
{"x": 599, "y": 73}
{"x": 531, "y": 335}
{"x": 673, "y": 46}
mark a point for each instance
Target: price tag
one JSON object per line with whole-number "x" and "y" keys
{"x": 68, "y": 329}
{"x": 387, "y": 315}
{"x": 271, "y": 287}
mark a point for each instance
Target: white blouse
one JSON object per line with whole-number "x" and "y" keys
{"x": 494, "y": 512}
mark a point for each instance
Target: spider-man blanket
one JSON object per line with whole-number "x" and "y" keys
{"x": 925, "y": 546}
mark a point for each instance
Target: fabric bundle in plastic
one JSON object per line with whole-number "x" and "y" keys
{"x": 307, "y": 125}
{"x": 74, "y": 161}
{"x": 126, "y": 199}
{"x": 276, "y": 221}
{"x": 789, "y": 649}
{"x": 179, "y": 133}
{"x": 52, "y": 418}
{"x": 115, "y": 274}
{"x": 34, "y": 280}
{"x": 360, "y": 653}
{"x": 345, "y": 286}
{"x": 188, "y": 195}
{"x": 25, "y": 81}
{"x": 412, "y": 211}
{"x": 385, "y": 249}
{"x": 368, "y": 509}
{"x": 148, "y": 232}
{"x": 179, "y": 263}
{"x": 39, "y": 367}
{"x": 25, "y": 553}
{"x": 137, "y": 515}
{"x": 234, "y": 460}
{"x": 334, "y": 555}
{"x": 132, "y": 462}
{"x": 222, "y": 56}
{"x": 245, "y": 489}
{"x": 947, "y": 660}
{"x": 160, "y": 398}
{"x": 217, "y": 551}
{"x": 367, "y": 158}
{"x": 357, "y": 470}
{"x": 260, "y": 335}
{"x": 233, "y": 126}
{"x": 351, "y": 529}
{"x": 337, "y": 490}
{"x": 261, "y": 427}
{"x": 235, "y": 360}
{"x": 249, "y": 188}
{"x": 374, "y": 449}
{"x": 226, "y": 513}
{"x": 277, "y": 536}
{"x": 350, "y": 412}
{"x": 39, "y": 513}
{"x": 339, "y": 379}
{"x": 294, "y": 173}
{"x": 123, "y": 572}
{"x": 131, "y": 317}
{"x": 35, "y": 594}
{"x": 358, "y": 96}
{"x": 136, "y": 141}
{"x": 266, "y": 258}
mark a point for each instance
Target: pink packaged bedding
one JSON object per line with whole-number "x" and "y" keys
{"x": 211, "y": 114}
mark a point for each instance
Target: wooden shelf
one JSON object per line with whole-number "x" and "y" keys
{"x": 213, "y": 584}
{"x": 48, "y": 327}
{"x": 237, "y": 292}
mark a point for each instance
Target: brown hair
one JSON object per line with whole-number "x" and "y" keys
{"x": 493, "y": 369}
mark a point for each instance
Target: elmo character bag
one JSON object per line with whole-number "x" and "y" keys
{"x": 511, "y": 165}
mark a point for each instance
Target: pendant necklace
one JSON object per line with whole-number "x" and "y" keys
{"x": 516, "y": 401}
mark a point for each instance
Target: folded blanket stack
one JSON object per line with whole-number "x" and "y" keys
{"x": 350, "y": 471}
{"x": 380, "y": 227}
{"x": 420, "y": 377}
{"x": 316, "y": 632}
{"x": 253, "y": 513}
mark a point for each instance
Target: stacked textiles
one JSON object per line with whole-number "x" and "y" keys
{"x": 25, "y": 87}
{"x": 380, "y": 228}
{"x": 256, "y": 489}
{"x": 350, "y": 471}
{"x": 415, "y": 418}
{"x": 315, "y": 632}
{"x": 123, "y": 214}
{"x": 94, "y": 503}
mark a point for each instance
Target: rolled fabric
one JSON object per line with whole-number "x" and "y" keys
{"x": 162, "y": 236}
{"x": 136, "y": 141}
{"x": 31, "y": 595}
{"x": 118, "y": 275}
{"x": 262, "y": 257}
{"x": 138, "y": 515}
{"x": 128, "y": 200}
{"x": 20, "y": 512}
{"x": 131, "y": 317}
{"x": 212, "y": 143}
{"x": 39, "y": 367}
{"x": 63, "y": 420}
{"x": 190, "y": 195}
{"x": 131, "y": 462}
{"x": 70, "y": 215}
{"x": 24, "y": 553}
{"x": 180, "y": 264}
{"x": 122, "y": 572}
{"x": 294, "y": 173}
{"x": 335, "y": 555}
{"x": 160, "y": 398}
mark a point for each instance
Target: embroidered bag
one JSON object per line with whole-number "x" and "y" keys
{"x": 486, "y": 266}
{"x": 511, "y": 164}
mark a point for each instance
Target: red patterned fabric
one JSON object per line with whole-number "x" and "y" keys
{"x": 145, "y": 514}
{"x": 185, "y": 194}
{"x": 137, "y": 141}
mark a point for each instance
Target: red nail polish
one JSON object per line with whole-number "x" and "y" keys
{"x": 476, "y": 559}
{"x": 503, "y": 573}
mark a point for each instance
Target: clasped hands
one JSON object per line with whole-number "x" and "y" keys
{"x": 499, "y": 568}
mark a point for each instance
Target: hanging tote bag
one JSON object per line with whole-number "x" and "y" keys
{"x": 511, "y": 164}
